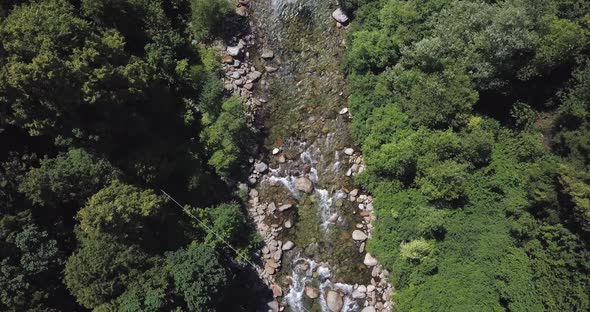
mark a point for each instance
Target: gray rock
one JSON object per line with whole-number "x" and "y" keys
{"x": 277, "y": 291}
{"x": 233, "y": 51}
{"x": 368, "y": 309}
{"x": 272, "y": 207}
{"x": 255, "y": 75}
{"x": 334, "y": 301}
{"x": 340, "y": 16}
{"x": 285, "y": 207}
{"x": 312, "y": 292}
{"x": 359, "y": 235}
{"x": 343, "y": 111}
{"x": 273, "y": 306}
{"x": 358, "y": 295}
{"x": 261, "y": 167}
{"x": 349, "y": 151}
{"x": 235, "y": 75}
{"x": 288, "y": 245}
{"x": 370, "y": 260}
{"x": 288, "y": 224}
{"x": 267, "y": 54}
{"x": 276, "y": 151}
{"x": 304, "y": 185}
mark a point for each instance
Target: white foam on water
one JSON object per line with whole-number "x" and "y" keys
{"x": 299, "y": 279}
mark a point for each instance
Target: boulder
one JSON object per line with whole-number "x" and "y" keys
{"x": 271, "y": 207}
{"x": 267, "y": 54}
{"x": 255, "y": 75}
{"x": 359, "y": 235}
{"x": 285, "y": 207}
{"x": 233, "y": 51}
{"x": 311, "y": 292}
{"x": 334, "y": 301}
{"x": 343, "y": 111}
{"x": 261, "y": 167}
{"x": 288, "y": 245}
{"x": 288, "y": 224}
{"x": 277, "y": 291}
{"x": 273, "y": 306}
{"x": 276, "y": 150}
{"x": 340, "y": 16}
{"x": 228, "y": 59}
{"x": 368, "y": 309}
{"x": 304, "y": 185}
{"x": 349, "y": 151}
{"x": 358, "y": 295}
{"x": 370, "y": 260}
{"x": 242, "y": 11}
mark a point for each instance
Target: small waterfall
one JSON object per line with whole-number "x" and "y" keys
{"x": 303, "y": 275}
{"x": 327, "y": 213}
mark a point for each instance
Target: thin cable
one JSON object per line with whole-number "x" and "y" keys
{"x": 210, "y": 230}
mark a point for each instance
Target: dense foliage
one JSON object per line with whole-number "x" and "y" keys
{"x": 473, "y": 118}
{"x": 102, "y": 104}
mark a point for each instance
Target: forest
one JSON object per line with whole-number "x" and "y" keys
{"x": 104, "y": 105}
{"x": 121, "y": 154}
{"x": 473, "y": 117}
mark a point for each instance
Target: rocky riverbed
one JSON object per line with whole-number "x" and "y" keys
{"x": 301, "y": 198}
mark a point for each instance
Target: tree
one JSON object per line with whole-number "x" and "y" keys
{"x": 416, "y": 250}
{"x": 198, "y": 276}
{"x": 121, "y": 210}
{"x": 443, "y": 181}
{"x": 67, "y": 179}
{"x": 226, "y": 137}
{"x": 437, "y": 101}
{"x": 206, "y": 16}
{"x": 36, "y": 40}
{"x": 224, "y": 223}
{"x": 102, "y": 269}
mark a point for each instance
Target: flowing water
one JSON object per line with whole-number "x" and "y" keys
{"x": 301, "y": 117}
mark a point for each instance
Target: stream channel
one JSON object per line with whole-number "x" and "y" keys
{"x": 303, "y": 201}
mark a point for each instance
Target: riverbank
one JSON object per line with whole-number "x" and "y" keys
{"x": 302, "y": 197}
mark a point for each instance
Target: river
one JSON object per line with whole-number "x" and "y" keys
{"x": 303, "y": 201}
